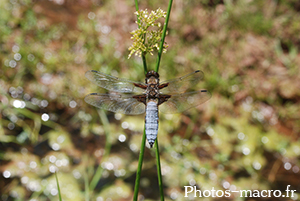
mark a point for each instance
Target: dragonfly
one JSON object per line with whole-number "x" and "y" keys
{"x": 134, "y": 98}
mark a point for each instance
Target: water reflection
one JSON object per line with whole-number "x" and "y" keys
{"x": 45, "y": 117}
{"x": 72, "y": 104}
{"x": 264, "y": 139}
{"x": 246, "y": 151}
{"x": 241, "y": 136}
{"x": 52, "y": 159}
{"x": 99, "y": 199}
{"x": 212, "y": 176}
{"x": 15, "y": 92}
{"x": 34, "y": 186}
{"x": 19, "y": 104}
{"x": 122, "y": 138}
{"x": 125, "y": 125}
{"x": 44, "y": 103}
{"x": 256, "y": 165}
{"x": 30, "y": 57}
{"x": 287, "y": 166}
{"x": 174, "y": 194}
{"x": 118, "y": 116}
{"x": 55, "y": 146}
{"x": 233, "y": 188}
{"x": 119, "y": 173}
{"x": 210, "y": 131}
{"x": 226, "y": 184}
{"x": 15, "y": 48}
{"x": 17, "y": 56}
{"x": 133, "y": 147}
{"x": 107, "y": 165}
{"x": 6, "y": 174}
{"x": 12, "y": 63}
{"x": 33, "y": 164}
{"x": 40, "y": 66}
{"x": 91, "y": 15}
{"x": 24, "y": 180}
{"x": 76, "y": 174}
{"x": 26, "y": 97}
{"x": 202, "y": 170}
{"x": 21, "y": 165}
{"x": 295, "y": 169}
{"x": 47, "y": 78}
{"x": 52, "y": 168}
{"x": 60, "y": 139}
{"x": 54, "y": 191}
{"x": 11, "y": 126}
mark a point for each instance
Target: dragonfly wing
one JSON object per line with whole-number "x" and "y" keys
{"x": 181, "y": 84}
{"x": 181, "y": 102}
{"x": 119, "y": 103}
{"x": 112, "y": 83}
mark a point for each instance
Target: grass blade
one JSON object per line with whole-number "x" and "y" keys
{"x": 99, "y": 170}
{"x": 139, "y": 170}
{"x": 161, "y": 189}
{"x": 163, "y": 36}
{"x": 86, "y": 187}
{"x": 59, "y": 194}
{"x": 141, "y": 157}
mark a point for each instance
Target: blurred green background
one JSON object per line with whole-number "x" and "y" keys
{"x": 245, "y": 137}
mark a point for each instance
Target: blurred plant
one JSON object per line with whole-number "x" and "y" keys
{"x": 144, "y": 39}
{"x": 57, "y": 183}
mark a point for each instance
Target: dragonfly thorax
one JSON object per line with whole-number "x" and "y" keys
{"x": 152, "y": 82}
{"x": 152, "y": 91}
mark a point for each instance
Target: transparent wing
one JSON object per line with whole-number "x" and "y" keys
{"x": 181, "y": 102}
{"x": 113, "y": 83}
{"x": 119, "y": 103}
{"x": 181, "y": 84}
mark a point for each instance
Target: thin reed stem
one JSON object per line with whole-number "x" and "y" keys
{"x": 163, "y": 36}
{"x": 58, "y": 188}
{"x": 161, "y": 189}
{"x": 139, "y": 169}
{"x": 141, "y": 157}
{"x": 99, "y": 170}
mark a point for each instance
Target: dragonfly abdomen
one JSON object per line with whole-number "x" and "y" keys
{"x": 151, "y": 122}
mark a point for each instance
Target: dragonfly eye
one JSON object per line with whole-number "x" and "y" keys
{"x": 152, "y": 73}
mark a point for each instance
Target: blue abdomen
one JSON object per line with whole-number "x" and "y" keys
{"x": 151, "y": 122}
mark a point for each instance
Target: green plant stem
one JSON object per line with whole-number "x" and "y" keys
{"x": 144, "y": 63}
{"x": 137, "y": 9}
{"x": 139, "y": 169}
{"x": 59, "y": 194}
{"x": 99, "y": 170}
{"x": 141, "y": 157}
{"x": 161, "y": 189}
{"x": 86, "y": 185}
{"x": 163, "y": 36}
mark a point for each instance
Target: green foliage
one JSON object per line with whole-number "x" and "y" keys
{"x": 148, "y": 35}
{"x": 249, "y": 17}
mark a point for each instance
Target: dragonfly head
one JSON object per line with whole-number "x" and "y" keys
{"x": 152, "y": 77}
